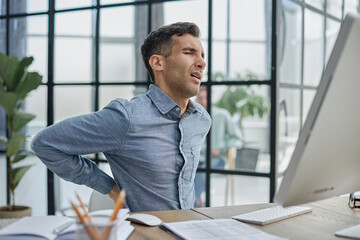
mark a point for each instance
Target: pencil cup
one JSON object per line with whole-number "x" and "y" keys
{"x": 100, "y": 229}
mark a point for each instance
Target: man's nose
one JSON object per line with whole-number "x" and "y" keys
{"x": 201, "y": 63}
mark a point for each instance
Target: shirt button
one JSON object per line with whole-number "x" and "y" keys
{"x": 177, "y": 109}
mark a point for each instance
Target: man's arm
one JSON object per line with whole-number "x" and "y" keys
{"x": 61, "y": 146}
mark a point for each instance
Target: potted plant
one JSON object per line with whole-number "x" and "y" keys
{"x": 243, "y": 100}
{"x": 15, "y": 85}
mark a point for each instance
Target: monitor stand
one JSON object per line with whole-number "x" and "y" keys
{"x": 351, "y": 232}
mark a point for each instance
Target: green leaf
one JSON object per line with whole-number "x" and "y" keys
{"x": 8, "y": 68}
{"x": 22, "y": 69}
{"x": 31, "y": 82}
{"x": 3, "y": 140}
{"x": 8, "y": 102}
{"x": 18, "y": 173}
{"x": 20, "y": 157}
{"x": 15, "y": 143}
{"x": 21, "y": 119}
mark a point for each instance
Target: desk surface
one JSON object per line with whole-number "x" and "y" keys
{"x": 327, "y": 217}
{"x": 143, "y": 232}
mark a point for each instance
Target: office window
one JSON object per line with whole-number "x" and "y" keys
{"x": 71, "y": 101}
{"x": 334, "y": 7}
{"x": 247, "y": 34}
{"x": 28, "y": 6}
{"x": 73, "y": 47}
{"x": 174, "y": 12}
{"x": 64, "y": 4}
{"x": 235, "y": 190}
{"x": 351, "y": 6}
{"x": 240, "y": 54}
{"x": 88, "y": 53}
{"x": 313, "y": 47}
{"x": 290, "y": 42}
{"x": 117, "y": 48}
{"x": 37, "y": 44}
{"x": 103, "y": 2}
{"x": 109, "y": 93}
{"x": 319, "y": 4}
{"x": 240, "y": 47}
{"x": 251, "y": 120}
{"x": 289, "y": 124}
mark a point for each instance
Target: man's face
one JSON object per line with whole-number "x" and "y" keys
{"x": 184, "y": 67}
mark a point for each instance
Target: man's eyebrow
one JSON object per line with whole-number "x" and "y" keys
{"x": 189, "y": 49}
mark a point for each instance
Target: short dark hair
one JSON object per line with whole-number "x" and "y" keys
{"x": 159, "y": 41}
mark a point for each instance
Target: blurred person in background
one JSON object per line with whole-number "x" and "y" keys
{"x": 224, "y": 134}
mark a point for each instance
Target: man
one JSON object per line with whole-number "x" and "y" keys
{"x": 224, "y": 134}
{"x": 152, "y": 142}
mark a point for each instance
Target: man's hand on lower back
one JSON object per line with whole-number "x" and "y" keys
{"x": 114, "y": 192}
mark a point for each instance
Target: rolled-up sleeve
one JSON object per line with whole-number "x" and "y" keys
{"x": 61, "y": 146}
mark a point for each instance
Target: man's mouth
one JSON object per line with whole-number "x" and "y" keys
{"x": 196, "y": 75}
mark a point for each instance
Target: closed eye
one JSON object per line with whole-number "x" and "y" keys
{"x": 189, "y": 50}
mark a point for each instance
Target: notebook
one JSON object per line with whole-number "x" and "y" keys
{"x": 42, "y": 227}
{"x": 38, "y": 228}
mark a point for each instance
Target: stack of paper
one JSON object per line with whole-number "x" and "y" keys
{"x": 43, "y": 227}
{"x": 215, "y": 229}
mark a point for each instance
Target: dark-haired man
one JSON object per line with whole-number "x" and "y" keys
{"x": 152, "y": 142}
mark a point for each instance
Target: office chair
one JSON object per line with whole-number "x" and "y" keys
{"x": 99, "y": 201}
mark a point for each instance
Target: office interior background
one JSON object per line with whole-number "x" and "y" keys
{"x": 88, "y": 54}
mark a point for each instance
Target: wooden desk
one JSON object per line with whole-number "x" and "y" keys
{"x": 143, "y": 232}
{"x": 327, "y": 217}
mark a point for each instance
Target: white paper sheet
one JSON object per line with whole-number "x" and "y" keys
{"x": 217, "y": 229}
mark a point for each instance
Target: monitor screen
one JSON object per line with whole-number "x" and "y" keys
{"x": 326, "y": 159}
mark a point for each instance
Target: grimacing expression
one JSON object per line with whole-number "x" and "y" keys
{"x": 184, "y": 67}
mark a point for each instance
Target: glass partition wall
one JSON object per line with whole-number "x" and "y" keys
{"x": 88, "y": 54}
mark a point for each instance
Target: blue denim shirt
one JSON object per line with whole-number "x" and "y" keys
{"x": 152, "y": 151}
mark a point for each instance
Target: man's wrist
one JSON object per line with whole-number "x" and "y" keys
{"x": 114, "y": 192}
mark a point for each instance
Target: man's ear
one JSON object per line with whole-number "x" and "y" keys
{"x": 156, "y": 62}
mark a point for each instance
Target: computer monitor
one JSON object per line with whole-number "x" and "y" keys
{"x": 326, "y": 159}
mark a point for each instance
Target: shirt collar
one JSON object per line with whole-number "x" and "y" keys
{"x": 162, "y": 101}
{"x": 193, "y": 107}
{"x": 165, "y": 104}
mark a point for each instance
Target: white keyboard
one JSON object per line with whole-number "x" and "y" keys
{"x": 272, "y": 214}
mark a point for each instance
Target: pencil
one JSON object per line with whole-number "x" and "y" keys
{"x": 87, "y": 215}
{"x": 79, "y": 215}
{"x": 118, "y": 204}
{"x": 93, "y": 235}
